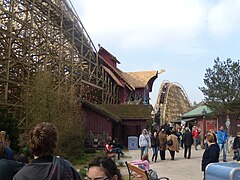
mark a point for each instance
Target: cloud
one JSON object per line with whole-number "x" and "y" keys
{"x": 223, "y": 18}
{"x": 143, "y": 24}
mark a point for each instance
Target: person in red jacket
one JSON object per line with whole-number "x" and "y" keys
{"x": 195, "y": 134}
{"x": 110, "y": 149}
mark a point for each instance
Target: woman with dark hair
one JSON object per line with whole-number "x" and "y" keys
{"x": 43, "y": 141}
{"x": 110, "y": 149}
{"x": 103, "y": 168}
{"x": 155, "y": 145}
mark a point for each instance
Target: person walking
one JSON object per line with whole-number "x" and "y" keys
{"x": 222, "y": 137}
{"x": 172, "y": 144}
{"x": 154, "y": 145}
{"x": 144, "y": 142}
{"x": 187, "y": 141}
{"x": 236, "y": 146}
{"x": 211, "y": 154}
{"x": 42, "y": 142}
{"x": 162, "y": 144}
{"x": 195, "y": 134}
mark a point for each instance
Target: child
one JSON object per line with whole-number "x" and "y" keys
{"x": 144, "y": 164}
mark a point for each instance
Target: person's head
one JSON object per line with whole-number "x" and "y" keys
{"x": 145, "y": 157}
{"x": 209, "y": 138}
{"x": 187, "y": 129}
{"x": 3, "y": 152}
{"x": 221, "y": 128}
{"x": 144, "y": 131}
{"x": 103, "y": 168}
{"x": 43, "y": 139}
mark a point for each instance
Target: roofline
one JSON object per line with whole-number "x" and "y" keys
{"x": 101, "y": 111}
{"x": 115, "y": 59}
{"x": 114, "y": 69}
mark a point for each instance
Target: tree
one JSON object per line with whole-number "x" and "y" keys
{"x": 9, "y": 124}
{"x": 62, "y": 107}
{"x": 222, "y": 87}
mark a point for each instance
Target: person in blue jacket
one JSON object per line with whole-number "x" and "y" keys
{"x": 222, "y": 137}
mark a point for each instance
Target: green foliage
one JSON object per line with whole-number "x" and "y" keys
{"x": 9, "y": 124}
{"x": 59, "y": 105}
{"x": 222, "y": 86}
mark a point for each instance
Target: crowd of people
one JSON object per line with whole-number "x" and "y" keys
{"x": 45, "y": 165}
{"x": 184, "y": 137}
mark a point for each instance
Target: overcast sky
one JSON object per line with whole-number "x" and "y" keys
{"x": 181, "y": 36}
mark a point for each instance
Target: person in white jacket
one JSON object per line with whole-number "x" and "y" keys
{"x": 144, "y": 142}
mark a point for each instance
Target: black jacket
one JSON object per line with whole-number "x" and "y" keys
{"x": 8, "y": 168}
{"x": 236, "y": 143}
{"x": 210, "y": 155}
{"x": 187, "y": 138}
{"x": 154, "y": 141}
{"x": 58, "y": 169}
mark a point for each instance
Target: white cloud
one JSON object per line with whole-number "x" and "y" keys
{"x": 223, "y": 18}
{"x": 141, "y": 23}
{"x": 168, "y": 34}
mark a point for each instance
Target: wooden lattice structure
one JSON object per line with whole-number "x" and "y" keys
{"x": 39, "y": 35}
{"x": 172, "y": 102}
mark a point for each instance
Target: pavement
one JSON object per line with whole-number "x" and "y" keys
{"x": 178, "y": 169}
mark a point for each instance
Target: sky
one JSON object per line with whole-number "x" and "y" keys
{"x": 182, "y": 37}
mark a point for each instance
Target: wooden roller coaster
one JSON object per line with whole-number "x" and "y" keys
{"x": 47, "y": 35}
{"x": 172, "y": 102}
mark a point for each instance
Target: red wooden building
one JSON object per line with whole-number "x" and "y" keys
{"x": 125, "y": 115}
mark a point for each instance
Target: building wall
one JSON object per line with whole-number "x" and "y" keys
{"x": 100, "y": 126}
{"x": 132, "y": 128}
{"x": 107, "y": 58}
{"x": 124, "y": 94}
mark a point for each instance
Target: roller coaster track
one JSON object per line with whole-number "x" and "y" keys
{"x": 172, "y": 101}
{"x": 40, "y": 35}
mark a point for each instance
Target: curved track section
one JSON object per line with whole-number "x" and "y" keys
{"x": 172, "y": 102}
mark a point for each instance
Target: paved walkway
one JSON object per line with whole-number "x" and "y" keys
{"x": 179, "y": 169}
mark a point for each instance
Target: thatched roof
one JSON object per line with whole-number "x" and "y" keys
{"x": 129, "y": 111}
{"x": 139, "y": 79}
